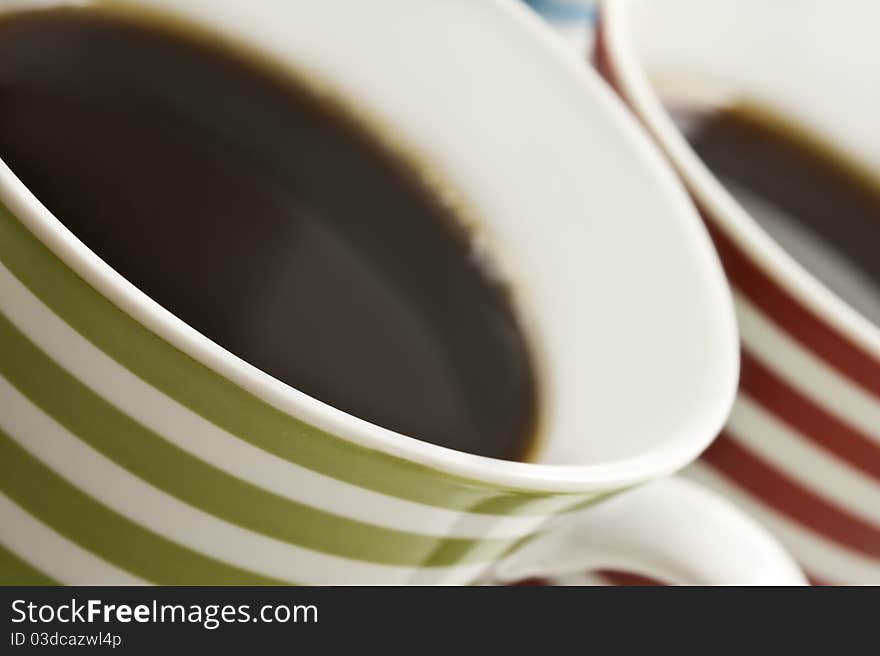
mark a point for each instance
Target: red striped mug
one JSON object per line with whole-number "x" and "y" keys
{"x": 801, "y": 450}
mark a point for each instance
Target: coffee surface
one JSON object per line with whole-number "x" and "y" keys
{"x": 268, "y": 221}
{"x": 814, "y": 204}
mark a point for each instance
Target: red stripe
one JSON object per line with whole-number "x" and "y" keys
{"x": 617, "y": 577}
{"x": 533, "y": 582}
{"x": 602, "y": 60}
{"x": 614, "y": 577}
{"x": 799, "y": 322}
{"x": 609, "y": 576}
{"x": 814, "y": 580}
{"x": 807, "y": 418}
{"x": 778, "y": 491}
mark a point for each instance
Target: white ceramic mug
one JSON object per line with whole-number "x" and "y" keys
{"x": 134, "y": 449}
{"x": 801, "y": 451}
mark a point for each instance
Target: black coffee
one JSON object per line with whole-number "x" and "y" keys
{"x": 823, "y": 211}
{"x": 267, "y": 220}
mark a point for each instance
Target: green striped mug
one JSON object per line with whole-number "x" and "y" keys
{"x": 135, "y": 450}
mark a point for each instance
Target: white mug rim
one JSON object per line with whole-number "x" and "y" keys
{"x": 666, "y": 458}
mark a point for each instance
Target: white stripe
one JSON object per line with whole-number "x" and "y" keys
{"x": 194, "y": 434}
{"x": 165, "y": 515}
{"x": 798, "y": 458}
{"x": 819, "y": 556}
{"x": 51, "y": 553}
{"x": 807, "y": 373}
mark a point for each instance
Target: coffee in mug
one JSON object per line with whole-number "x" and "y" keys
{"x": 814, "y": 202}
{"x": 267, "y": 219}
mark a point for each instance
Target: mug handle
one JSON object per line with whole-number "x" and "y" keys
{"x": 671, "y": 529}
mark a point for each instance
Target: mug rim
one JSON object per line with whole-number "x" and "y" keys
{"x": 660, "y": 459}
{"x": 723, "y": 209}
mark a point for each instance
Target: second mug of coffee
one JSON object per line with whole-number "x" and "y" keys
{"x": 284, "y": 300}
{"x": 769, "y": 113}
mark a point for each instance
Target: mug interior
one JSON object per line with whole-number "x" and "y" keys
{"x": 816, "y": 71}
{"x": 819, "y": 69}
{"x": 622, "y": 296}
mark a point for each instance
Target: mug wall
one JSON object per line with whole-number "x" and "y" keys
{"x": 126, "y": 461}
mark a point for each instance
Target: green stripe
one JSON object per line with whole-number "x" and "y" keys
{"x": 14, "y": 571}
{"x": 508, "y": 505}
{"x": 150, "y": 457}
{"x": 233, "y": 408}
{"x": 96, "y": 528}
